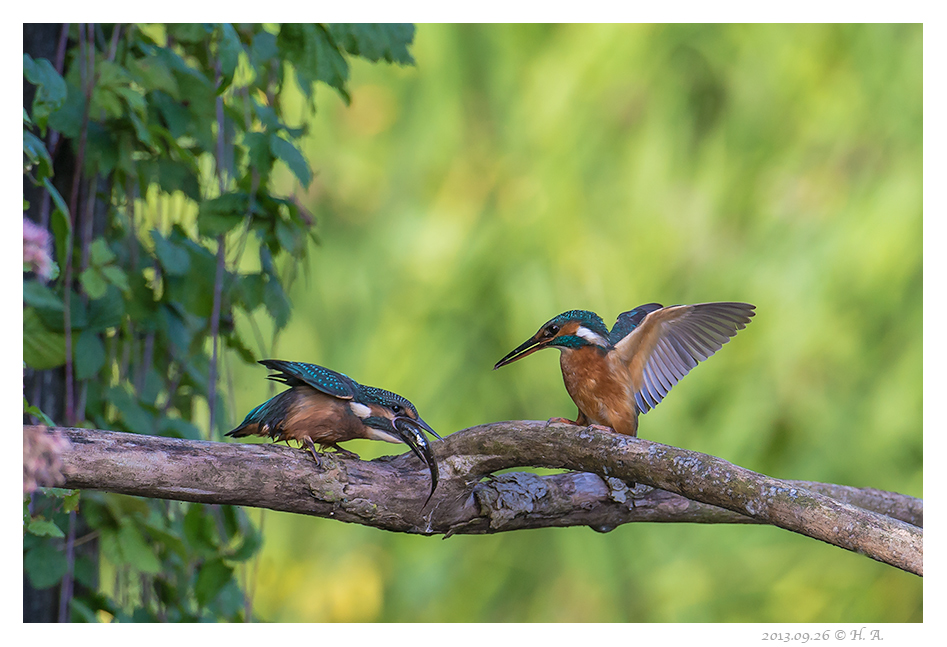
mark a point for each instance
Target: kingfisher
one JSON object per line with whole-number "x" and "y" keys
{"x": 326, "y": 407}
{"x": 612, "y": 376}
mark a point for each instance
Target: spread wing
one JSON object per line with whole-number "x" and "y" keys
{"x": 667, "y": 343}
{"x": 322, "y": 379}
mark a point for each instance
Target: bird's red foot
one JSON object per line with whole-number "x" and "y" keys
{"x": 311, "y": 448}
{"x": 601, "y": 428}
{"x": 565, "y": 421}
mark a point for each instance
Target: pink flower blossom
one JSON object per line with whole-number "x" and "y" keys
{"x": 42, "y": 458}
{"x": 37, "y": 249}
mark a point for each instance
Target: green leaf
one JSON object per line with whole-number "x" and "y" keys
{"x": 70, "y": 502}
{"x": 287, "y": 151}
{"x": 106, "y": 312}
{"x": 192, "y": 293}
{"x": 230, "y": 602}
{"x": 176, "y": 116}
{"x": 59, "y": 223}
{"x": 68, "y": 118}
{"x": 135, "y": 550}
{"x": 174, "y": 259}
{"x": 112, "y": 79}
{"x": 52, "y": 317}
{"x": 220, "y": 215}
{"x": 82, "y": 612}
{"x": 141, "y": 305}
{"x": 230, "y": 519}
{"x": 135, "y": 417}
{"x": 112, "y": 75}
{"x": 233, "y": 342}
{"x": 252, "y": 540}
{"x": 249, "y": 290}
{"x": 35, "y": 411}
{"x": 171, "y": 176}
{"x": 57, "y": 199}
{"x": 108, "y": 149}
{"x": 36, "y": 155}
{"x": 267, "y": 116}
{"x": 228, "y": 54}
{"x": 93, "y": 282}
{"x": 50, "y": 88}
{"x": 42, "y": 349}
{"x": 44, "y": 528}
{"x": 37, "y": 294}
{"x": 331, "y": 67}
{"x": 86, "y": 572}
{"x": 314, "y": 57}
{"x": 188, "y": 32}
{"x": 153, "y": 74}
{"x": 151, "y": 387}
{"x": 89, "y": 355}
{"x": 199, "y": 530}
{"x": 134, "y": 98}
{"x": 44, "y": 565}
{"x": 125, "y": 506}
{"x": 263, "y": 48}
{"x": 108, "y": 545}
{"x": 174, "y": 328}
{"x": 375, "y": 41}
{"x": 170, "y": 540}
{"x": 106, "y": 100}
{"x": 212, "y": 577}
{"x": 117, "y": 277}
{"x": 277, "y": 303}
{"x": 99, "y": 253}
{"x": 291, "y": 237}
{"x": 258, "y": 151}
{"x": 141, "y": 130}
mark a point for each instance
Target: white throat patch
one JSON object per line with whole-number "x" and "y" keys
{"x": 360, "y": 410}
{"x": 378, "y": 434}
{"x": 590, "y": 336}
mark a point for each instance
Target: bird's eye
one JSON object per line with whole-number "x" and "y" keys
{"x": 550, "y": 331}
{"x": 396, "y": 408}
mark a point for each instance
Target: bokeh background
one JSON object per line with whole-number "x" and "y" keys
{"x": 520, "y": 171}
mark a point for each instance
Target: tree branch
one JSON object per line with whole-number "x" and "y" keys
{"x": 388, "y": 492}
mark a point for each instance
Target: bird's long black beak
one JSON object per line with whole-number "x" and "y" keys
{"x": 528, "y": 347}
{"x": 410, "y": 431}
{"x": 427, "y": 428}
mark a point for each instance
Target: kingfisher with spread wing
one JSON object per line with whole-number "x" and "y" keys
{"x": 326, "y": 407}
{"x": 614, "y": 376}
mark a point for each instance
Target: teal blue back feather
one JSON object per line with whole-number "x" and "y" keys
{"x": 628, "y": 321}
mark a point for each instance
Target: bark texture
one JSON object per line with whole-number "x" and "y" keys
{"x": 617, "y": 480}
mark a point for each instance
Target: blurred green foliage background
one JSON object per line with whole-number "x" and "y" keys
{"x": 520, "y": 171}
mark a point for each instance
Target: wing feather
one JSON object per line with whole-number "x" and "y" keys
{"x": 692, "y": 344}
{"x": 687, "y": 360}
{"x": 338, "y": 385}
{"x": 640, "y": 403}
{"x": 669, "y": 342}
{"x": 657, "y": 388}
{"x": 670, "y": 359}
{"x": 660, "y": 371}
{"x": 650, "y": 392}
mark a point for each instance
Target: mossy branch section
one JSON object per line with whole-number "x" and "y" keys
{"x": 601, "y": 493}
